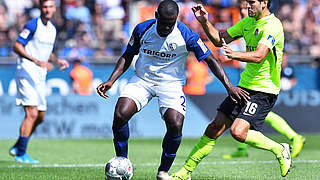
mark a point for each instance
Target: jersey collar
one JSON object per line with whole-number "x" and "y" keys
{"x": 265, "y": 18}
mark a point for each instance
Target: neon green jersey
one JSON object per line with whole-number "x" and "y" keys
{"x": 263, "y": 76}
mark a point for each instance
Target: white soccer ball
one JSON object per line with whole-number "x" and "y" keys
{"x": 119, "y": 168}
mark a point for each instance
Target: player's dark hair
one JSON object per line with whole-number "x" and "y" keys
{"x": 42, "y": 1}
{"x": 168, "y": 8}
{"x": 269, "y": 3}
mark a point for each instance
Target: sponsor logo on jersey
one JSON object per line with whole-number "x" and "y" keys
{"x": 25, "y": 33}
{"x": 44, "y": 42}
{"x": 158, "y": 54}
{"x": 145, "y": 42}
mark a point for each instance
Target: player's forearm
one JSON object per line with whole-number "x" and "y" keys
{"x": 20, "y": 50}
{"x": 212, "y": 33}
{"x": 247, "y": 56}
{"x": 255, "y": 56}
{"x": 122, "y": 65}
{"x": 219, "y": 72}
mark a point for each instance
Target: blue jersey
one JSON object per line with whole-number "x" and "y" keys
{"x": 38, "y": 40}
{"x": 163, "y": 59}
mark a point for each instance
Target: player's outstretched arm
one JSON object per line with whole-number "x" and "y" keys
{"x": 213, "y": 34}
{"x": 122, "y": 65}
{"x": 236, "y": 93}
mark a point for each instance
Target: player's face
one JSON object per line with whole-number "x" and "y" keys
{"x": 48, "y": 8}
{"x": 165, "y": 24}
{"x": 254, "y": 8}
{"x": 244, "y": 9}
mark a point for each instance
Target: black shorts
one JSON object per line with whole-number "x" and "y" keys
{"x": 255, "y": 111}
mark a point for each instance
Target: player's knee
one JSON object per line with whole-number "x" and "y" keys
{"x": 120, "y": 118}
{"x": 215, "y": 125}
{"x": 32, "y": 115}
{"x": 174, "y": 128}
{"x": 238, "y": 134}
{"x": 174, "y": 122}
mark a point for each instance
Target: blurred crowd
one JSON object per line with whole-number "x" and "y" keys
{"x": 99, "y": 29}
{"x": 86, "y": 28}
{"x": 301, "y": 22}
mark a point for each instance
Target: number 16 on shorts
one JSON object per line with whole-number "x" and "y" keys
{"x": 251, "y": 108}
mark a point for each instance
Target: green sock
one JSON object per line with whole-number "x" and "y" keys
{"x": 242, "y": 146}
{"x": 258, "y": 140}
{"x": 280, "y": 125}
{"x": 199, "y": 151}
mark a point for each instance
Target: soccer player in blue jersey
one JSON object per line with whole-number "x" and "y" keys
{"x": 34, "y": 47}
{"x": 163, "y": 45}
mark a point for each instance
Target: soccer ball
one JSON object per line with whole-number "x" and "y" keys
{"x": 119, "y": 168}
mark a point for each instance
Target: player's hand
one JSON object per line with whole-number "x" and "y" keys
{"x": 63, "y": 64}
{"x": 238, "y": 94}
{"x": 200, "y": 13}
{"x": 103, "y": 88}
{"x": 46, "y": 65}
{"x": 226, "y": 49}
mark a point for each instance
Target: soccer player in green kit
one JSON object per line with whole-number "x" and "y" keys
{"x": 274, "y": 120}
{"x": 264, "y": 37}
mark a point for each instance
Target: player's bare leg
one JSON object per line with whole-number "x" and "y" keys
{"x": 171, "y": 142}
{"x": 38, "y": 121}
{"x": 31, "y": 115}
{"x": 19, "y": 149}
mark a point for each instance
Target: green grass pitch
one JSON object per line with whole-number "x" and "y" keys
{"x": 85, "y": 158}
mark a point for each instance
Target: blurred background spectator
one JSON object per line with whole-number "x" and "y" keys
{"x": 99, "y": 29}
{"x": 288, "y": 79}
{"x": 32, "y": 11}
{"x": 81, "y": 77}
{"x": 5, "y": 48}
{"x": 198, "y": 76}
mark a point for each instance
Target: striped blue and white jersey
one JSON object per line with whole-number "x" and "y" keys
{"x": 163, "y": 59}
{"x": 38, "y": 40}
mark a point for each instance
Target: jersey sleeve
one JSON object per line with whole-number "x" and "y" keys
{"x": 28, "y": 31}
{"x": 236, "y": 31}
{"x": 199, "y": 48}
{"x": 270, "y": 36}
{"x": 134, "y": 42}
{"x": 194, "y": 42}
